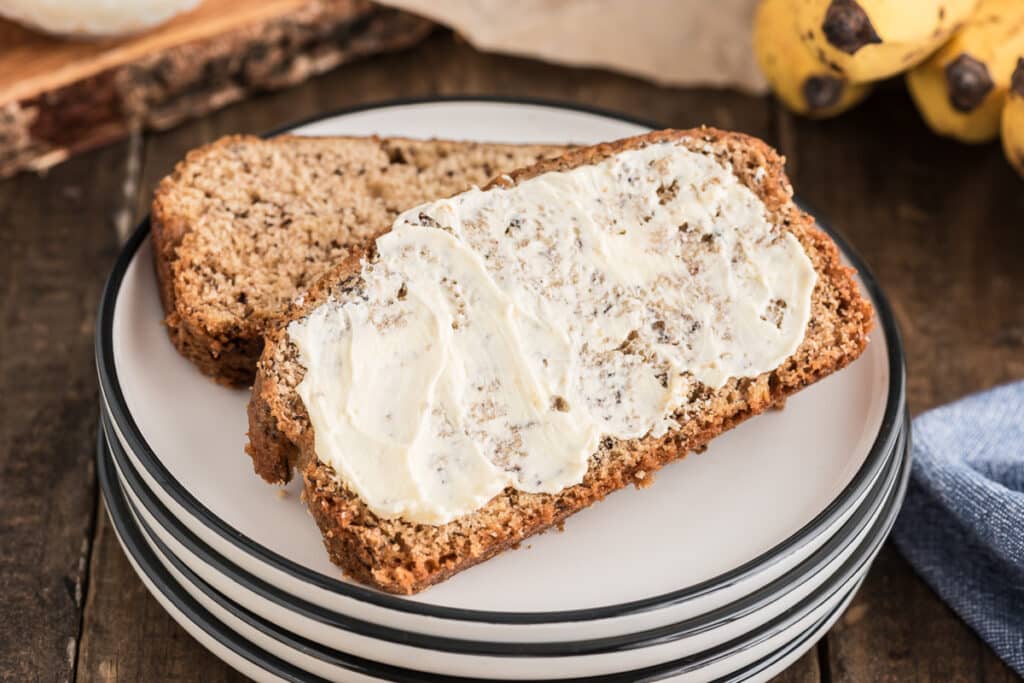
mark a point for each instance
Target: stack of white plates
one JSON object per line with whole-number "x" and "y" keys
{"x": 729, "y": 567}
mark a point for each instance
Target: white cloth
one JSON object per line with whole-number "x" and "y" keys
{"x": 670, "y": 42}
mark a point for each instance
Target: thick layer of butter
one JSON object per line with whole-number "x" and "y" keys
{"x": 501, "y": 334}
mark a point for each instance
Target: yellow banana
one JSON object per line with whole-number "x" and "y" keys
{"x": 960, "y": 90}
{"x": 805, "y": 85}
{"x": 867, "y": 40}
{"x": 1013, "y": 120}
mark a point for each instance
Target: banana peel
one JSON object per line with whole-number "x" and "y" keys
{"x": 868, "y": 40}
{"x": 960, "y": 90}
{"x": 1013, "y": 120}
{"x": 805, "y": 85}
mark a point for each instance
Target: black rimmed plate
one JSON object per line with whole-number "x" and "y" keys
{"x": 789, "y": 479}
{"x": 328, "y": 629}
{"x": 263, "y": 650}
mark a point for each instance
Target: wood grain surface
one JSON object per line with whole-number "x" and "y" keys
{"x": 59, "y": 97}
{"x": 56, "y": 242}
{"x": 940, "y": 224}
{"x": 33, "y": 62}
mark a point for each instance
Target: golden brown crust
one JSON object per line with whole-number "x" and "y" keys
{"x": 401, "y": 557}
{"x": 228, "y": 359}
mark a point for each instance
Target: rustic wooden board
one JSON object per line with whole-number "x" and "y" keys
{"x": 57, "y": 244}
{"x": 32, "y": 63}
{"x": 939, "y": 223}
{"x": 59, "y": 97}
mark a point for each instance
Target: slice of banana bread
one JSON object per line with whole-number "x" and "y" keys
{"x": 244, "y": 223}
{"x": 400, "y": 556}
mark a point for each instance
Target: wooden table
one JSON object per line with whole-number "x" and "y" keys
{"x": 941, "y": 224}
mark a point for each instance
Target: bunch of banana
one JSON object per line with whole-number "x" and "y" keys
{"x": 868, "y": 40}
{"x": 961, "y": 89}
{"x": 803, "y": 83}
{"x": 820, "y": 57}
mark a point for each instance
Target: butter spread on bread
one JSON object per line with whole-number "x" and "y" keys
{"x": 496, "y": 337}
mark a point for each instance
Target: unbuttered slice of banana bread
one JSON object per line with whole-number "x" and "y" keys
{"x": 243, "y": 224}
{"x": 400, "y": 556}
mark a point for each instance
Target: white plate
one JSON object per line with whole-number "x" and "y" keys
{"x": 217, "y": 627}
{"x": 663, "y": 647}
{"x": 758, "y": 502}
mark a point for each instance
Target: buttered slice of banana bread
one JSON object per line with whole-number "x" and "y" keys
{"x": 506, "y": 357}
{"x": 244, "y": 223}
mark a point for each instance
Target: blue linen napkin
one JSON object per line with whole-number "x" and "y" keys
{"x": 962, "y": 525}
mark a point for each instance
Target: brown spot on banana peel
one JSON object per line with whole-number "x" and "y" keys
{"x": 968, "y": 82}
{"x": 822, "y": 92}
{"x": 847, "y": 26}
{"x": 1017, "y": 80}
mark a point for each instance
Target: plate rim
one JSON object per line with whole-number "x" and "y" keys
{"x": 876, "y": 500}
{"x": 105, "y": 362}
{"x": 215, "y": 629}
{"x": 119, "y": 510}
